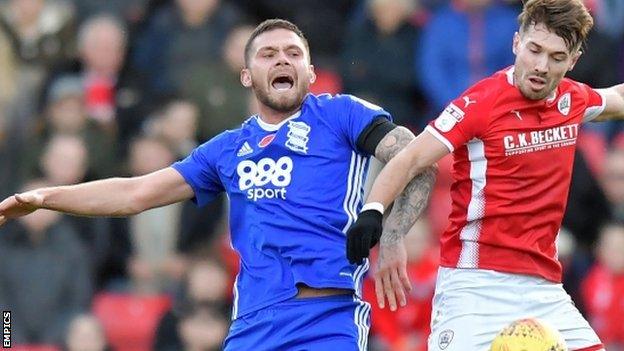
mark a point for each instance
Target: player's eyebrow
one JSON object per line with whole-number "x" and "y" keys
{"x": 275, "y": 48}
{"x": 268, "y": 48}
{"x": 541, "y": 47}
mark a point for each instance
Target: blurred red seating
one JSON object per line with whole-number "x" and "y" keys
{"x": 34, "y": 348}
{"x": 327, "y": 81}
{"x": 130, "y": 320}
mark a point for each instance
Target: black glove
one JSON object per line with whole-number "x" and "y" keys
{"x": 363, "y": 235}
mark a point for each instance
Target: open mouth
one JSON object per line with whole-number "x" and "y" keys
{"x": 282, "y": 82}
{"x": 537, "y": 82}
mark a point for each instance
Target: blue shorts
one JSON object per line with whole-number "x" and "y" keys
{"x": 339, "y": 322}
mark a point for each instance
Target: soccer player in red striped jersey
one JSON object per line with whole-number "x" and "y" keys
{"x": 513, "y": 137}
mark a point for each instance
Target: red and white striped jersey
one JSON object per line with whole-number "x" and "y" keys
{"x": 512, "y": 168}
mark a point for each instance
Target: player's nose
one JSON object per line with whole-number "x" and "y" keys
{"x": 541, "y": 64}
{"x": 282, "y": 59}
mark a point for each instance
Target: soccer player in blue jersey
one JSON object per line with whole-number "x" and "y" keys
{"x": 294, "y": 175}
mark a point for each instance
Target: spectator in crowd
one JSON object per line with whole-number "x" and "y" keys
{"x": 613, "y": 181}
{"x": 177, "y": 124}
{"x": 324, "y": 36}
{"x": 407, "y": 329}
{"x": 378, "y": 53}
{"x": 44, "y": 281}
{"x": 180, "y": 40}
{"x": 603, "y": 288}
{"x": 114, "y": 94}
{"x": 8, "y": 88}
{"x": 65, "y": 114}
{"x": 41, "y": 31}
{"x": 609, "y": 16}
{"x": 85, "y": 333}
{"x": 587, "y": 210}
{"x": 463, "y": 42}
{"x": 132, "y": 12}
{"x": 203, "y": 306}
{"x": 203, "y": 329}
{"x": 219, "y": 94}
{"x": 38, "y": 34}
{"x": 8, "y": 81}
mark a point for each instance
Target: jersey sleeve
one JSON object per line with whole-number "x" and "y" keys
{"x": 595, "y": 101}
{"x": 200, "y": 171}
{"x": 463, "y": 119}
{"x": 356, "y": 114}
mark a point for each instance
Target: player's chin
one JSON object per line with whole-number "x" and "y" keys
{"x": 285, "y": 102}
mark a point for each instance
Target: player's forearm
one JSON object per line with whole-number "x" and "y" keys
{"x": 108, "y": 197}
{"x": 409, "y": 206}
{"x": 614, "y": 109}
{"x": 393, "y": 179}
{"x": 619, "y": 90}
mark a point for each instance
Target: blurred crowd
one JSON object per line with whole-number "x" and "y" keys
{"x": 99, "y": 88}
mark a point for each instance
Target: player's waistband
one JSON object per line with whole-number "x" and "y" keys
{"x": 304, "y": 291}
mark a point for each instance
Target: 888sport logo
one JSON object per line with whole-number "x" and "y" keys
{"x": 265, "y": 179}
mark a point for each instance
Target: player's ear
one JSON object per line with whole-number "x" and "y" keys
{"x": 312, "y": 74}
{"x": 245, "y": 78}
{"x": 575, "y": 58}
{"x": 516, "y": 43}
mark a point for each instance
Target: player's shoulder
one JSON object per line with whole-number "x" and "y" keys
{"x": 568, "y": 85}
{"x": 492, "y": 86}
{"x": 481, "y": 96}
{"x": 338, "y": 101}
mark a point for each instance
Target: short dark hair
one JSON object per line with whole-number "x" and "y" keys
{"x": 269, "y": 25}
{"x": 569, "y": 19}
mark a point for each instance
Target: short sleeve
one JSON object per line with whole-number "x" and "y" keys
{"x": 355, "y": 115}
{"x": 200, "y": 171}
{"x": 463, "y": 119}
{"x": 596, "y": 102}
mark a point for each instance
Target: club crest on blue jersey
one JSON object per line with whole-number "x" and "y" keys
{"x": 298, "y": 136}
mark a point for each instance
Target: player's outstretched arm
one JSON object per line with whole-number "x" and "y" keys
{"x": 107, "y": 197}
{"x": 614, "y": 105}
{"x": 410, "y": 172}
{"x": 391, "y": 280}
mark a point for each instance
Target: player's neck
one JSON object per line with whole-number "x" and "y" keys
{"x": 271, "y": 116}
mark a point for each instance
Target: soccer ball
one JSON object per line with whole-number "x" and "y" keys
{"x": 528, "y": 335}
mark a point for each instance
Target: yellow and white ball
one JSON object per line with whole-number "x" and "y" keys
{"x": 528, "y": 334}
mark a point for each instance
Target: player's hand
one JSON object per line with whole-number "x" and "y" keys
{"x": 20, "y": 205}
{"x": 391, "y": 280}
{"x": 363, "y": 235}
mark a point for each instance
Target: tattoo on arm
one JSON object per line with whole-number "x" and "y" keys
{"x": 411, "y": 203}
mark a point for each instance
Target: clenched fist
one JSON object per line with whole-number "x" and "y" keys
{"x": 363, "y": 235}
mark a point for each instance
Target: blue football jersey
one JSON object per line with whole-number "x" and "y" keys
{"x": 294, "y": 190}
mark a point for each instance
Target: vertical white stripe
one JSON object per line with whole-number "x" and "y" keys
{"x": 361, "y": 320}
{"x": 356, "y": 320}
{"x": 235, "y": 302}
{"x": 345, "y": 203}
{"x": 469, "y": 256}
{"x": 357, "y": 185}
{"x": 358, "y": 275}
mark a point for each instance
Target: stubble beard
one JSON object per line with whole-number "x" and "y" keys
{"x": 286, "y": 104}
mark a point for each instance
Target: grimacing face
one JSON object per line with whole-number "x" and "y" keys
{"x": 542, "y": 60}
{"x": 279, "y": 70}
